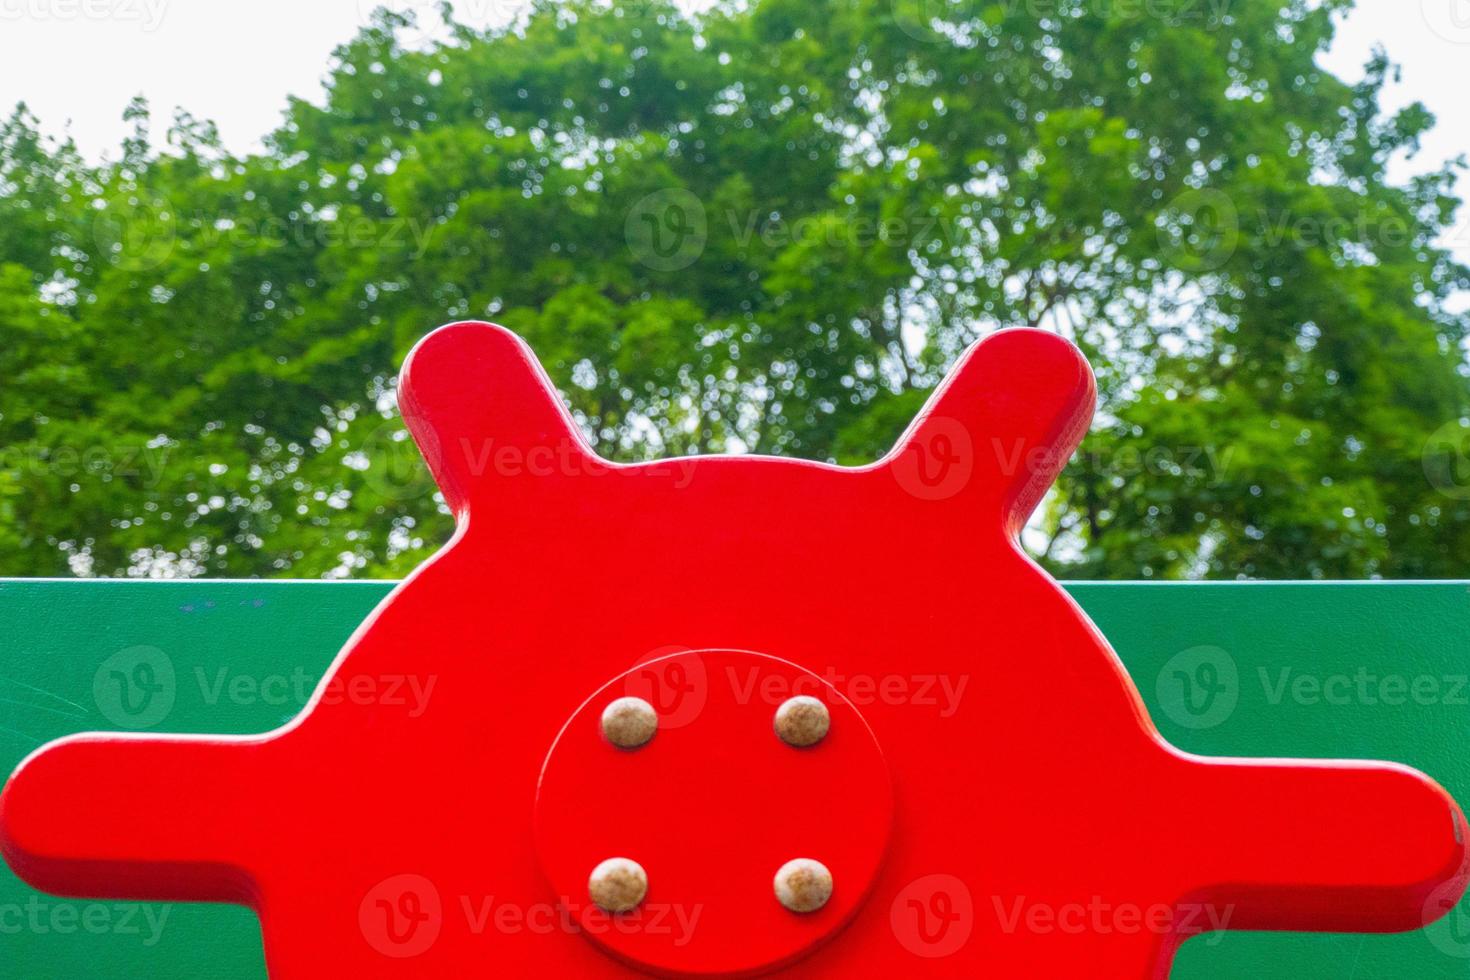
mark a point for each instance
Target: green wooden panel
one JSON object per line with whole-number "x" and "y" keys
{"x": 1372, "y": 670}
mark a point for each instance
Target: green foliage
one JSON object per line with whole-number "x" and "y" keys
{"x": 768, "y": 229}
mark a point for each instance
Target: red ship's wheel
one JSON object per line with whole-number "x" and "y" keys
{"x": 991, "y": 798}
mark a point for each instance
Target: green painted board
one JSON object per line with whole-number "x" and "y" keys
{"x": 1354, "y": 670}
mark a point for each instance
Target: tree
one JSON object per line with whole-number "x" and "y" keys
{"x": 766, "y": 229}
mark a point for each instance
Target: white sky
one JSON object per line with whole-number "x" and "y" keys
{"x": 78, "y": 62}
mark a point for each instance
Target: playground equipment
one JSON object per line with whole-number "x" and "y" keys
{"x": 724, "y": 716}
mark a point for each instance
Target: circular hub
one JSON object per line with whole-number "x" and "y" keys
{"x": 713, "y": 807}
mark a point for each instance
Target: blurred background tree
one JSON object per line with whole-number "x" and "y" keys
{"x": 768, "y": 228}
